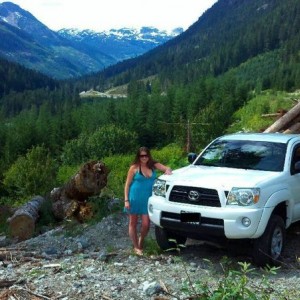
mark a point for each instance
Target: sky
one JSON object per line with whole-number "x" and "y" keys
{"x": 100, "y": 15}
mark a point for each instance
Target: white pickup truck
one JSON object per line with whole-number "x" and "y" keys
{"x": 243, "y": 186}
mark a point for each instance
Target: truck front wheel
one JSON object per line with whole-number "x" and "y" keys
{"x": 269, "y": 247}
{"x": 164, "y": 238}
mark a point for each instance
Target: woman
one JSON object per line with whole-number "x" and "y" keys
{"x": 138, "y": 189}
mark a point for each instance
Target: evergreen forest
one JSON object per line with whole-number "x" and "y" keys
{"x": 218, "y": 77}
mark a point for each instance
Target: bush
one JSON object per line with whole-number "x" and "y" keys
{"x": 30, "y": 175}
{"x": 65, "y": 173}
{"x": 105, "y": 141}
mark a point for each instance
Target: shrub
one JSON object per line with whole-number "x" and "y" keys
{"x": 30, "y": 175}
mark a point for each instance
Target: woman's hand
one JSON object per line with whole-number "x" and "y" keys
{"x": 168, "y": 171}
{"x": 127, "y": 204}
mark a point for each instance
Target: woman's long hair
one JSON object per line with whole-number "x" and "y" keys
{"x": 150, "y": 163}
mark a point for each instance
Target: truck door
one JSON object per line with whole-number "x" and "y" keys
{"x": 294, "y": 183}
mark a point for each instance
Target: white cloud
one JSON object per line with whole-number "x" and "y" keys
{"x": 100, "y": 15}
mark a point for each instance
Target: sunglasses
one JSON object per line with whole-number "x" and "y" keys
{"x": 143, "y": 155}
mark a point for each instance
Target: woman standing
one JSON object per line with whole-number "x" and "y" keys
{"x": 138, "y": 189}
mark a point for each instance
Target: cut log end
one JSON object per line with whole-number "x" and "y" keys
{"x": 22, "y": 223}
{"x": 22, "y": 227}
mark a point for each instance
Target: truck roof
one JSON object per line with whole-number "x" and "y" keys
{"x": 266, "y": 137}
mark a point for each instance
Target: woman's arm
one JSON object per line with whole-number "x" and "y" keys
{"x": 163, "y": 168}
{"x": 129, "y": 178}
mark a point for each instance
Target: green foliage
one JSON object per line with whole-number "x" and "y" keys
{"x": 238, "y": 284}
{"x": 118, "y": 166}
{"x": 171, "y": 155}
{"x": 111, "y": 139}
{"x": 249, "y": 117}
{"x": 65, "y": 173}
{"x": 151, "y": 247}
{"x": 30, "y": 175}
{"x": 4, "y": 215}
{"x": 226, "y": 69}
{"x": 21, "y": 78}
{"x": 105, "y": 141}
{"x": 99, "y": 208}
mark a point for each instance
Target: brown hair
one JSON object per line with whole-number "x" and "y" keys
{"x": 150, "y": 163}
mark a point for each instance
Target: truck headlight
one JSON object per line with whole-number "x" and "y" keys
{"x": 243, "y": 196}
{"x": 159, "y": 188}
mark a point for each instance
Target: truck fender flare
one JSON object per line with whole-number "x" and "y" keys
{"x": 281, "y": 196}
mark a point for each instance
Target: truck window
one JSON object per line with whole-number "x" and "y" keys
{"x": 255, "y": 155}
{"x": 295, "y": 159}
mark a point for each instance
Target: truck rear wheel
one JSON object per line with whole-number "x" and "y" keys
{"x": 269, "y": 247}
{"x": 163, "y": 237}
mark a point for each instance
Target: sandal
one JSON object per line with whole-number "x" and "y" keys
{"x": 138, "y": 252}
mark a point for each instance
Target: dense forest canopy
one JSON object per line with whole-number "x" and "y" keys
{"x": 203, "y": 83}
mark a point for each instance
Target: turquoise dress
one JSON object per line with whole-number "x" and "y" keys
{"x": 139, "y": 192}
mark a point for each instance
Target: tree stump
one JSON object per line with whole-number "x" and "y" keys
{"x": 70, "y": 199}
{"x": 22, "y": 223}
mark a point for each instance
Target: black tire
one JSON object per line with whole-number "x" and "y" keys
{"x": 163, "y": 237}
{"x": 269, "y": 247}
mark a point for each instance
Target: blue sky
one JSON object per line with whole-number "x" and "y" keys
{"x": 102, "y": 15}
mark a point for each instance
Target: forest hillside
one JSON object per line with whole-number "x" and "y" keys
{"x": 238, "y": 61}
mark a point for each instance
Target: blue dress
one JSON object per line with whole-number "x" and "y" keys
{"x": 139, "y": 192}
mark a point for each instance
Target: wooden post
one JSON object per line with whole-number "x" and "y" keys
{"x": 188, "y": 137}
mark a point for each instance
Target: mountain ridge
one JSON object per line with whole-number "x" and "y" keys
{"x": 62, "y": 55}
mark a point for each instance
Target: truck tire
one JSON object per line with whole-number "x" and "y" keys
{"x": 163, "y": 237}
{"x": 269, "y": 247}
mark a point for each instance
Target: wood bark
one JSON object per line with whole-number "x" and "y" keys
{"x": 22, "y": 223}
{"x": 285, "y": 121}
{"x": 295, "y": 128}
{"x": 71, "y": 199}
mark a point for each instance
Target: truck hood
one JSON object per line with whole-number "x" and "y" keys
{"x": 215, "y": 177}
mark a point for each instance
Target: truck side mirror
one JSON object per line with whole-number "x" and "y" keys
{"x": 192, "y": 157}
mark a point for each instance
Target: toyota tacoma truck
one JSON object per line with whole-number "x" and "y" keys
{"x": 243, "y": 186}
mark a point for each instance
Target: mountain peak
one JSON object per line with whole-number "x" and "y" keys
{"x": 15, "y": 16}
{"x": 124, "y": 32}
{"x": 70, "y": 52}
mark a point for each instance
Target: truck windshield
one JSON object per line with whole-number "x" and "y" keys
{"x": 255, "y": 155}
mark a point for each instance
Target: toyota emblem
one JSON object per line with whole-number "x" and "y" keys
{"x": 193, "y": 195}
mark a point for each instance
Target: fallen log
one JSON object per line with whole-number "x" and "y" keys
{"x": 71, "y": 199}
{"x": 283, "y": 123}
{"x": 295, "y": 128}
{"x": 22, "y": 223}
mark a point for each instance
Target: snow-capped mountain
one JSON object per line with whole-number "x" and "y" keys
{"x": 121, "y": 43}
{"x": 70, "y": 52}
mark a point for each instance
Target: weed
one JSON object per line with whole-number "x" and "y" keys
{"x": 237, "y": 282}
{"x": 73, "y": 228}
{"x": 5, "y": 213}
{"x": 99, "y": 207}
{"x": 110, "y": 249}
{"x": 151, "y": 247}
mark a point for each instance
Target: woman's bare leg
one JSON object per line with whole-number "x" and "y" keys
{"x": 133, "y": 220}
{"x": 144, "y": 230}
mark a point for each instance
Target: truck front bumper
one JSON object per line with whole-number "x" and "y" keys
{"x": 232, "y": 222}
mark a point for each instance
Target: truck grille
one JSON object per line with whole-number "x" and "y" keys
{"x": 195, "y": 196}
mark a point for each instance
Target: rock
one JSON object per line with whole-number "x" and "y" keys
{"x": 106, "y": 269}
{"x": 151, "y": 288}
